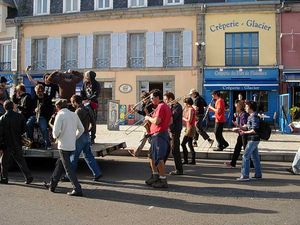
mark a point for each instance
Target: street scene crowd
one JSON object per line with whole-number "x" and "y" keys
{"x": 71, "y": 122}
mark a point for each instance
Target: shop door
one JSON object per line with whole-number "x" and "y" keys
{"x": 105, "y": 96}
{"x": 284, "y": 112}
{"x": 235, "y": 96}
{"x": 156, "y": 85}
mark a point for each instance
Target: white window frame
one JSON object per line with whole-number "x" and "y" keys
{"x": 174, "y": 3}
{"x": 7, "y": 43}
{"x": 78, "y": 7}
{"x": 96, "y": 5}
{"x": 35, "y": 13}
{"x": 138, "y": 6}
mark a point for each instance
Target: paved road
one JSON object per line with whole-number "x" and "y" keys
{"x": 207, "y": 194}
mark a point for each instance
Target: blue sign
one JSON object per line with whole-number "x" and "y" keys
{"x": 241, "y": 79}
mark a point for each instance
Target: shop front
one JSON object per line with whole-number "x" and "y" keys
{"x": 257, "y": 84}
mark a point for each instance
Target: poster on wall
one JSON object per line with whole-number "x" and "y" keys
{"x": 113, "y": 116}
{"x": 122, "y": 111}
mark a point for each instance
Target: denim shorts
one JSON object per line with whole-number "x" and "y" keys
{"x": 159, "y": 146}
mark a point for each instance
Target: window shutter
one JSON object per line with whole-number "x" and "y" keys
{"x": 122, "y": 50}
{"x": 27, "y": 52}
{"x": 54, "y": 53}
{"x": 114, "y": 49}
{"x": 89, "y": 53}
{"x": 81, "y": 52}
{"x": 187, "y": 48}
{"x": 150, "y": 49}
{"x": 14, "y": 54}
{"x": 158, "y": 56}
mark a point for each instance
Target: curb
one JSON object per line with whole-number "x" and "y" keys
{"x": 264, "y": 156}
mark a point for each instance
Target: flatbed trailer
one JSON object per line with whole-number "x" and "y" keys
{"x": 98, "y": 149}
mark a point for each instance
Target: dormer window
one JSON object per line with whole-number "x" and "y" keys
{"x": 71, "y": 6}
{"x": 137, "y": 3}
{"x": 173, "y": 2}
{"x": 41, "y": 7}
{"x": 103, "y": 4}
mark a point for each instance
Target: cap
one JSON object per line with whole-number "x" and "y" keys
{"x": 192, "y": 91}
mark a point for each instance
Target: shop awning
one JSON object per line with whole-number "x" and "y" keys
{"x": 291, "y": 76}
{"x": 241, "y": 86}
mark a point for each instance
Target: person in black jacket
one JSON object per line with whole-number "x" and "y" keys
{"x": 175, "y": 130}
{"x": 12, "y": 127}
{"x": 43, "y": 112}
{"x": 23, "y": 101}
{"x": 90, "y": 93}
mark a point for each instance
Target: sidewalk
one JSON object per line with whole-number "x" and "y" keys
{"x": 280, "y": 147}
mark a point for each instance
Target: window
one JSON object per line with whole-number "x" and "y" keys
{"x": 103, "y": 4}
{"x": 173, "y": 2}
{"x": 137, "y": 50}
{"x": 102, "y": 59}
{"x": 5, "y": 57}
{"x": 41, "y": 7}
{"x": 173, "y": 49}
{"x": 261, "y": 97}
{"x": 40, "y": 54}
{"x": 71, "y": 6}
{"x": 137, "y": 3}
{"x": 70, "y": 53}
{"x": 241, "y": 49}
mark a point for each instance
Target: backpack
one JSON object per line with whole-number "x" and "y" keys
{"x": 264, "y": 130}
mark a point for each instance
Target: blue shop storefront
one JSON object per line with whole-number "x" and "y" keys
{"x": 258, "y": 84}
{"x": 292, "y": 80}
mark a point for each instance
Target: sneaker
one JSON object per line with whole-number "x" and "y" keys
{"x": 192, "y": 163}
{"x": 184, "y": 162}
{"x": 97, "y": 178}
{"x": 195, "y": 144}
{"x": 152, "y": 179}
{"x": 225, "y": 146}
{"x": 243, "y": 178}
{"x": 257, "y": 177}
{"x": 49, "y": 186}
{"x": 291, "y": 170}
{"x": 210, "y": 141}
{"x": 217, "y": 149}
{"x": 228, "y": 165}
{"x": 176, "y": 172}
{"x": 160, "y": 183}
{"x": 29, "y": 180}
{"x": 3, "y": 180}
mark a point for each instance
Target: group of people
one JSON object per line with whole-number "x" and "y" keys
{"x": 74, "y": 132}
{"x": 167, "y": 117}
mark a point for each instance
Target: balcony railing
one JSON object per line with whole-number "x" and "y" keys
{"x": 40, "y": 65}
{"x": 102, "y": 63}
{"x": 173, "y": 61}
{"x": 5, "y": 66}
{"x": 137, "y": 62}
{"x": 70, "y": 64}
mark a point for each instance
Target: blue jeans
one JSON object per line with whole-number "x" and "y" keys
{"x": 43, "y": 126}
{"x": 296, "y": 163}
{"x": 251, "y": 151}
{"x": 83, "y": 144}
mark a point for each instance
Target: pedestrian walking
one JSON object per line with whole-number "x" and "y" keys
{"x": 199, "y": 105}
{"x": 189, "y": 117}
{"x": 66, "y": 129}
{"x": 251, "y": 129}
{"x": 160, "y": 122}
{"x": 220, "y": 120}
{"x": 12, "y": 127}
{"x": 175, "y": 131}
{"x": 83, "y": 143}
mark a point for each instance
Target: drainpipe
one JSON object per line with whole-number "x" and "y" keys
{"x": 18, "y": 36}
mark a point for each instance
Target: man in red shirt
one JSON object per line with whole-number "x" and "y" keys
{"x": 220, "y": 119}
{"x": 160, "y": 121}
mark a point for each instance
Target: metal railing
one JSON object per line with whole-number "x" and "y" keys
{"x": 70, "y": 64}
{"x": 40, "y": 65}
{"x": 173, "y": 61}
{"x": 136, "y": 62}
{"x": 5, "y": 66}
{"x": 102, "y": 62}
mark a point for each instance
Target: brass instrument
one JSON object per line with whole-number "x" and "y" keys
{"x": 147, "y": 124}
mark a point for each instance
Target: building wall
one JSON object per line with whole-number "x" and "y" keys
{"x": 290, "y": 44}
{"x": 218, "y": 24}
{"x": 184, "y": 78}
